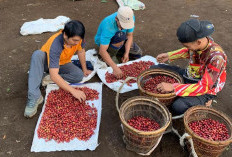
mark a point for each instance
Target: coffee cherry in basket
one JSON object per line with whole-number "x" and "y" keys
{"x": 151, "y": 84}
{"x": 210, "y": 129}
{"x": 143, "y": 124}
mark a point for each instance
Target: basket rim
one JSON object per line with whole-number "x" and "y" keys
{"x": 212, "y": 110}
{"x": 150, "y": 71}
{"x": 160, "y": 130}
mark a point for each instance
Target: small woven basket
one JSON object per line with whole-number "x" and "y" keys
{"x": 204, "y": 147}
{"x": 138, "y": 141}
{"x": 166, "y": 99}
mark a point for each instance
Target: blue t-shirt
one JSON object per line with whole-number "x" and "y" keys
{"x": 107, "y": 29}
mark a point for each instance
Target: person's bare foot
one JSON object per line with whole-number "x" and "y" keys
{"x": 208, "y": 104}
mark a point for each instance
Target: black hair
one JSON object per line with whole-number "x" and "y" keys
{"x": 74, "y": 28}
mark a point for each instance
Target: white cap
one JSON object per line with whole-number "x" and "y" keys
{"x": 125, "y": 16}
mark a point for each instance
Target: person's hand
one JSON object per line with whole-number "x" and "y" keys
{"x": 80, "y": 95}
{"x": 87, "y": 72}
{"x": 163, "y": 57}
{"x": 118, "y": 72}
{"x": 125, "y": 58}
{"x": 165, "y": 87}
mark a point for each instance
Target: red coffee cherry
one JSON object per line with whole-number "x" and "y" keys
{"x": 210, "y": 129}
{"x": 132, "y": 70}
{"x": 143, "y": 124}
{"x": 151, "y": 84}
{"x": 65, "y": 118}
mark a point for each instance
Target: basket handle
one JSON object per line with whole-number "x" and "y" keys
{"x": 119, "y": 90}
{"x": 189, "y": 138}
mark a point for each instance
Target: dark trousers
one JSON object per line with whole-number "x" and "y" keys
{"x": 116, "y": 54}
{"x": 181, "y": 104}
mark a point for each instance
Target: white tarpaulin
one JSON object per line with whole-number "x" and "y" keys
{"x": 115, "y": 85}
{"x": 44, "y": 25}
{"x": 134, "y": 4}
{"x": 40, "y": 145}
{"x": 93, "y": 59}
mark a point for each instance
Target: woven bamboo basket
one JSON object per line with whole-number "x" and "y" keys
{"x": 166, "y": 99}
{"x": 138, "y": 141}
{"x": 203, "y": 147}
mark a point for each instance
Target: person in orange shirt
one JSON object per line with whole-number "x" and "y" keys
{"x": 55, "y": 57}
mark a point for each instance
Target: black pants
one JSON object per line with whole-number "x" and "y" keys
{"x": 181, "y": 104}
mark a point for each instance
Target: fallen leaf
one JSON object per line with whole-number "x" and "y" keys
{"x": 8, "y": 89}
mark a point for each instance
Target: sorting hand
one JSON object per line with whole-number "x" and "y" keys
{"x": 163, "y": 57}
{"x": 80, "y": 95}
{"x": 165, "y": 87}
{"x": 87, "y": 72}
{"x": 118, "y": 72}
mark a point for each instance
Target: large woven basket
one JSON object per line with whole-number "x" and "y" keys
{"x": 203, "y": 147}
{"x": 140, "y": 141}
{"x": 166, "y": 99}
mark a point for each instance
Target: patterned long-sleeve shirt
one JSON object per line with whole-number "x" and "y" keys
{"x": 208, "y": 65}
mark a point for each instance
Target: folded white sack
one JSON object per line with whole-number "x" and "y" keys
{"x": 44, "y": 25}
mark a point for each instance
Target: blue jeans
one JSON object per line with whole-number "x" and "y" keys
{"x": 68, "y": 72}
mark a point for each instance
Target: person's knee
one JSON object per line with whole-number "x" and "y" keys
{"x": 179, "y": 107}
{"x": 38, "y": 55}
{"x": 136, "y": 48}
{"x": 80, "y": 76}
{"x": 161, "y": 66}
{"x": 77, "y": 77}
{"x": 154, "y": 66}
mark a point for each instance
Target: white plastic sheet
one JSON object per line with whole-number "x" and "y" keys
{"x": 44, "y": 25}
{"x": 134, "y": 4}
{"x": 39, "y": 145}
{"x": 93, "y": 59}
{"x": 115, "y": 85}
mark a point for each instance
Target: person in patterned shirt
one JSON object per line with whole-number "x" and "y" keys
{"x": 205, "y": 75}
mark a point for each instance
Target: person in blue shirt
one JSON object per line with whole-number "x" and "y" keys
{"x": 115, "y": 39}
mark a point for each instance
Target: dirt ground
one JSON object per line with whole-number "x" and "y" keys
{"x": 155, "y": 33}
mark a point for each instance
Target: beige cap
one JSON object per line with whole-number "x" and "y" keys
{"x": 125, "y": 16}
